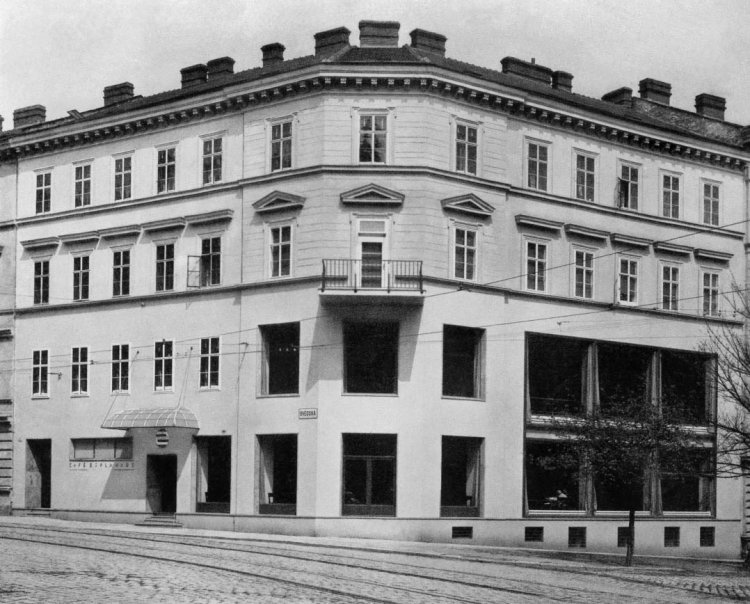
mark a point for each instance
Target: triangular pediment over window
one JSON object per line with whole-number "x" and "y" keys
{"x": 277, "y": 201}
{"x": 372, "y": 194}
{"x": 468, "y": 204}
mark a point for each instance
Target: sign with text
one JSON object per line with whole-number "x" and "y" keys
{"x": 310, "y": 413}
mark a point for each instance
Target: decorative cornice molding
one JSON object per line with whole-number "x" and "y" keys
{"x": 672, "y": 248}
{"x": 576, "y": 230}
{"x": 543, "y": 224}
{"x": 372, "y": 194}
{"x": 721, "y": 257}
{"x": 630, "y": 241}
{"x": 468, "y": 203}
{"x": 277, "y": 201}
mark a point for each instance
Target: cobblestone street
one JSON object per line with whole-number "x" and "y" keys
{"x": 43, "y": 560}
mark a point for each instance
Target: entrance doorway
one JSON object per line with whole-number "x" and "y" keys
{"x": 161, "y": 483}
{"x": 38, "y": 473}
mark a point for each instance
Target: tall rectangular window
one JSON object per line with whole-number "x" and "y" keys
{"x": 711, "y": 294}
{"x": 278, "y": 475}
{"x": 462, "y": 361}
{"x": 163, "y": 365}
{"x": 466, "y": 148}
{"x": 82, "y": 194}
{"x": 211, "y": 261}
{"x": 584, "y": 274}
{"x": 536, "y": 266}
{"x": 212, "y": 159}
{"x": 120, "y": 368}
{"x": 369, "y": 485}
{"x": 280, "y": 358}
{"x": 670, "y": 287}
{"x": 209, "y": 371}
{"x": 711, "y": 203}
{"x": 41, "y": 282}
{"x": 373, "y": 138}
{"x": 465, "y": 253}
{"x": 371, "y": 358}
{"x": 537, "y": 166}
{"x": 459, "y": 476}
{"x": 121, "y": 273}
{"x": 43, "y": 192}
{"x": 281, "y": 145}
{"x": 628, "y": 185}
{"x": 79, "y": 383}
{"x": 39, "y": 371}
{"x": 281, "y": 251}
{"x": 123, "y": 178}
{"x": 628, "y": 281}
{"x": 670, "y": 195}
{"x": 165, "y": 267}
{"x": 165, "y": 170}
{"x": 585, "y": 177}
{"x": 81, "y": 278}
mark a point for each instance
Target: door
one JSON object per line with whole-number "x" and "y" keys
{"x": 38, "y": 473}
{"x": 161, "y": 483}
{"x": 372, "y": 236}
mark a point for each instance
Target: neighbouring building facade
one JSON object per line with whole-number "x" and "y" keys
{"x": 344, "y": 294}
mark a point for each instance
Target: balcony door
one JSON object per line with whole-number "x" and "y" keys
{"x": 372, "y": 252}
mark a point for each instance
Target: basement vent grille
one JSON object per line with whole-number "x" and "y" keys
{"x": 462, "y": 532}
{"x": 577, "y": 536}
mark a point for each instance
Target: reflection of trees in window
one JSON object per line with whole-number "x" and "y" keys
{"x": 459, "y": 485}
{"x": 369, "y": 474}
{"x": 686, "y": 481}
{"x": 553, "y": 480}
{"x": 624, "y": 375}
{"x": 371, "y": 358}
{"x": 683, "y": 386}
{"x": 556, "y": 370}
{"x": 462, "y": 362}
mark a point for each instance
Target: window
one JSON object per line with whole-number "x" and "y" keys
{"x": 584, "y": 274}
{"x": 278, "y": 475}
{"x": 281, "y": 251}
{"x": 120, "y": 368}
{"x": 628, "y": 281}
{"x": 371, "y": 358}
{"x": 671, "y": 536}
{"x": 373, "y": 138}
{"x": 214, "y": 476}
{"x": 163, "y": 365}
{"x": 670, "y": 287}
{"x": 707, "y": 536}
{"x": 537, "y": 166}
{"x": 123, "y": 177}
{"x": 628, "y": 187}
{"x": 711, "y": 294}
{"x": 281, "y": 145}
{"x": 466, "y": 148}
{"x": 624, "y": 372}
{"x": 551, "y": 489}
{"x": 210, "y": 267}
{"x": 555, "y": 369}
{"x": 533, "y": 533}
{"x": 369, "y": 487}
{"x": 577, "y": 536}
{"x": 690, "y": 488}
{"x": 684, "y": 386}
{"x": 670, "y": 194}
{"x": 43, "y": 192}
{"x": 465, "y": 252}
{"x": 209, "y": 372}
{"x": 165, "y": 267}
{"x": 280, "y": 369}
{"x": 82, "y": 194}
{"x": 121, "y": 273}
{"x": 39, "y": 371}
{"x": 462, "y": 361}
{"x": 41, "y": 282}
{"x": 165, "y": 170}
{"x": 536, "y": 266}
{"x": 212, "y": 151}
{"x": 585, "y": 177}
{"x": 710, "y": 203}
{"x": 79, "y": 383}
{"x": 459, "y": 476}
{"x": 81, "y": 278}
{"x": 102, "y": 449}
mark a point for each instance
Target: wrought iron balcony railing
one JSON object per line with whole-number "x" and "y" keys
{"x": 387, "y": 275}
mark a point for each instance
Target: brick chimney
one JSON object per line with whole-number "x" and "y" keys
{"x": 709, "y": 105}
{"x": 621, "y": 96}
{"x": 219, "y": 67}
{"x": 562, "y": 80}
{"x": 528, "y": 70}
{"x": 329, "y": 41}
{"x": 194, "y": 75}
{"x": 378, "y": 34}
{"x": 428, "y": 41}
{"x": 117, "y": 93}
{"x": 28, "y": 116}
{"x": 272, "y": 53}
{"x": 654, "y": 90}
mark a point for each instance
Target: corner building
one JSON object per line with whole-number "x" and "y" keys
{"x": 344, "y": 294}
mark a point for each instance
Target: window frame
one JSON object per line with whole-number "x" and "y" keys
{"x": 630, "y": 184}
{"x": 79, "y": 371}
{"x": 162, "y": 182}
{"x": 584, "y": 269}
{"x": 669, "y": 301}
{"x": 527, "y": 165}
{"x": 358, "y": 113}
{"x": 210, "y": 261}
{"x": 81, "y": 277}
{"x": 456, "y": 124}
{"x": 393, "y": 329}
{"x": 675, "y": 210}
{"x": 714, "y": 209}
{"x": 527, "y": 274}
{"x": 619, "y": 258}
{"x": 465, "y": 248}
{"x": 208, "y": 359}
{"x": 43, "y": 191}
{"x": 123, "y": 176}
{"x": 82, "y": 198}
{"x": 41, "y": 281}
{"x": 368, "y": 508}
{"x": 120, "y": 361}
{"x": 479, "y": 363}
{"x": 588, "y": 155}
{"x": 267, "y": 333}
{"x": 208, "y": 177}
{"x": 40, "y": 384}
{"x": 271, "y": 246}
{"x": 272, "y": 142}
{"x": 168, "y": 263}
{"x": 164, "y": 366}
{"x": 714, "y": 289}
{"x": 121, "y": 272}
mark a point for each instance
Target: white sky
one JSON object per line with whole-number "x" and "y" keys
{"x": 62, "y": 53}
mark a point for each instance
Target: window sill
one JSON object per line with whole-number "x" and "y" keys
{"x": 350, "y": 509}
{"x": 121, "y": 392}
{"x": 209, "y": 389}
{"x": 278, "y": 509}
{"x": 286, "y": 395}
{"x": 39, "y": 397}
{"x": 374, "y": 394}
{"x": 459, "y": 511}
{"x": 164, "y": 391}
{"x": 80, "y": 395}
{"x": 453, "y": 397}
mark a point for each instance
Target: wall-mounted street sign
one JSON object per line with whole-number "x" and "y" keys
{"x": 162, "y": 437}
{"x": 310, "y": 413}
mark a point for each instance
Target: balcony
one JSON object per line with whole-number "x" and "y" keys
{"x": 399, "y": 281}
